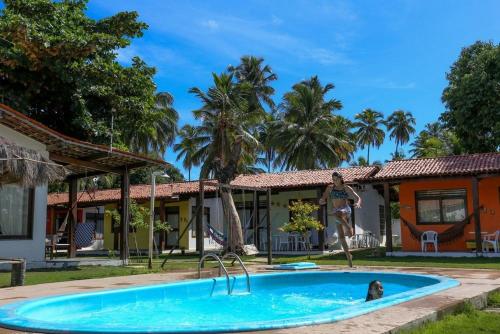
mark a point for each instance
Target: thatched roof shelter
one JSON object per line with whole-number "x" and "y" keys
{"x": 26, "y": 167}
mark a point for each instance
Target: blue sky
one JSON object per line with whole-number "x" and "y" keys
{"x": 383, "y": 55}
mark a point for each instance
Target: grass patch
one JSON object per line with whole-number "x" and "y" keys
{"x": 137, "y": 265}
{"x": 494, "y": 299}
{"x": 465, "y": 321}
{"x": 377, "y": 258}
{"x": 39, "y": 276}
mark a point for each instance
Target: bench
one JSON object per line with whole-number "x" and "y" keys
{"x": 18, "y": 270}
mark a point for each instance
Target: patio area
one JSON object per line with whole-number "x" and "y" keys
{"x": 475, "y": 286}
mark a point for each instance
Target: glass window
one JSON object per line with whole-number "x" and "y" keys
{"x": 428, "y": 211}
{"x": 453, "y": 209}
{"x": 16, "y": 214}
{"x": 441, "y": 206}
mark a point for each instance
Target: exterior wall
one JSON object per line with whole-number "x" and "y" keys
{"x": 33, "y": 250}
{"x": 366, "y": 217}
{"x": 216, "y": 220}
{"x": 141, "y": 235}
{"x": 489, "y": 216}
{"x": 108, "y": 228}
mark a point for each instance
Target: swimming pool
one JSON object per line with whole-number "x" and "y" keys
{"x": 276, "y": 300}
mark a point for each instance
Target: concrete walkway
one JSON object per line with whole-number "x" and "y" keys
{"x": 475, "y": 286}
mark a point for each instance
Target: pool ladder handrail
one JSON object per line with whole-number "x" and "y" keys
{"x": 221, "y": 265}
{"x": 237, "y": 258}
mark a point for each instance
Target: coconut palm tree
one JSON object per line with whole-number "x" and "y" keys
{"x": 157, "y": 130}
{"x": 369, "y": 132}
{"x": 187, "y": 147}
{"x": 267, "y": 149}
{"x": 436, "y": 141}
{"x": 252, "y": 70}
{"x": 307, "y": 134}
{"x": 226, "y": 132}
{"x": 401, "y": 124}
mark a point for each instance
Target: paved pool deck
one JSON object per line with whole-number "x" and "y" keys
{"x": 475, "y": 286}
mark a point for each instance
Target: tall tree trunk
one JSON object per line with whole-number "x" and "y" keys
{"x": 397, "y": 145}
{"x": 268, "y": 161}
{"x": 368, "y": 157}
{"x": 225, "y": 174}
{"x": 189, "y": 173}
{"x": 235, "y": 239}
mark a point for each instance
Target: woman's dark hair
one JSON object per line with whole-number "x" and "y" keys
{"x": 369, "y": 295}
{"x": 337, "y": 174}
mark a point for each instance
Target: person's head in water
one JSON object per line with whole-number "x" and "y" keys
{"x": 337, "y": 179}
{"x": 375, "y": 290}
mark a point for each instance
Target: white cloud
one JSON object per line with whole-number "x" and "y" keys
{"x": 210, "y": 24}
{"x": 383, "y": 83}
{"x": 327, "y": 57}
{"x": 276, "y": 20}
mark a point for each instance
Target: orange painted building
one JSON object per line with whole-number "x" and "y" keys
{"x": 437, "y": 193}
{"x": 455, "y": 191}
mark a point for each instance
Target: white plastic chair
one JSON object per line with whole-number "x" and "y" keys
{"x": 429, "y": 237}
{"x": 491, "y": 240}
{"x": 283, "y": 240}
{"x": 302, "y": 242}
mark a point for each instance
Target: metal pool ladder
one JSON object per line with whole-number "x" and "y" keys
{"x": 221, "y": 265}
{"x": 223, "y": 268}
{"x": 237, "y": 258}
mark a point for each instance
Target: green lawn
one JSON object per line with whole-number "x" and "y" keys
{"x": 86, "y": 272}
{"x": 370, "y": 258}
{"x": 466, "y": 321}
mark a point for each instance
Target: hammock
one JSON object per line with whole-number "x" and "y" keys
{"x": 450, "y": 234}
{"x": 216, "y": 235}
{"x": 84, "y": 234}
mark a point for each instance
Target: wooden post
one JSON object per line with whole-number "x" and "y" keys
{"x": 255, "y": 218}
{"x": 321, "y": 216}
{"x": 477, "y": 221}
{"x": 125, "y": 215}
{"x": 200, "y": 201}
{"x": 73, "y": 216}
{"x": 18, "y": 273}
{"x": 162, "y": 219}
{"x": 388, "y": 222}
{"x": 269, "y": 238}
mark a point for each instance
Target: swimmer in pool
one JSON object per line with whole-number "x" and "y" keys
{"x": 375, "y": 291}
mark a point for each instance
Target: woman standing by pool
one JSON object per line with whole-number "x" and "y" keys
{"x": 340, "y": 193}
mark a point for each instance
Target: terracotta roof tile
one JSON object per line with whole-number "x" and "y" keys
{"x": 265, "y": 180}
{"x": 481, "y": 163}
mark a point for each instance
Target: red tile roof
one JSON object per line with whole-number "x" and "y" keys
{"x": 266, "y": 180}
{"x": 303, "y": 177}
{"x": 481, "y": 163}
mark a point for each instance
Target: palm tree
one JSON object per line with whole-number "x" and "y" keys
{"x": 400, "y": 123}
{"x": 369, "y": 132}
{"x": 436, "y": 141}
{"x": 252, "y": 71}
{"x": 225, "y": 134}
{"x": 157, "y": 130}
{"x": 307, "y": 135}
{"x": 187, "y": 147}
{"x": 360, "y": 162}
{"x": 267, "y": 149}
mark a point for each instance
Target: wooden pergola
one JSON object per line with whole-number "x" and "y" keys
{"x": 82, "y": 159}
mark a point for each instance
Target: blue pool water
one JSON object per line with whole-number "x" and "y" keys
{"x": 276, "y": 300}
